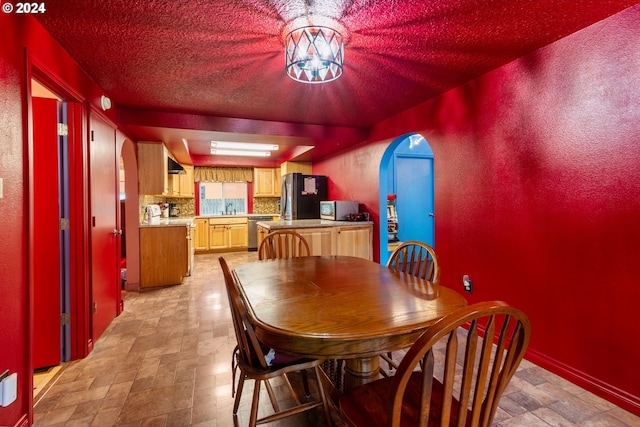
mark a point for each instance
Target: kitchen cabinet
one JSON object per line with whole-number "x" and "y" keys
{"x": 222, "y": 234}
{"x": 201, "y": 234}
{"x": 329, "y": 237}
{"x": 320, "y": 240}
{"x": 355, "y": 241}
{"x": 153, "y": 171}
{"x": 164, "y": 255}
{"x": 181, "y": 185}
{"x": 186, "y": 182}
{"x": 266, "y": 182}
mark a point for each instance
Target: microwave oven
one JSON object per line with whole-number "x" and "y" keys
{"x": 337, "y": 210}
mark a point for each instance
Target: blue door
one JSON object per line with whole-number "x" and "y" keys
{"x": 413, "y": 186}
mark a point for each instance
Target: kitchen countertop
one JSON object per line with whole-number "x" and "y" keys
{"x": 310, "y": 223}
{"x": 170, "y": 222}
{"x": 237, "y": 215}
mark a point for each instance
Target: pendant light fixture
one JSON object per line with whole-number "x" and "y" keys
{"x": 314, "y": 54}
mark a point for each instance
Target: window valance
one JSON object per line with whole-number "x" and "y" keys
{"x": 213, "y": 174}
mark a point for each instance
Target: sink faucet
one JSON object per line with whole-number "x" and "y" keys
{"x": 228, "y": 208}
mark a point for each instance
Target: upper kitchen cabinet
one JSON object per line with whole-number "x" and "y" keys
{"x": 153, "y": 173}
{"x": 296, "y": 167}
{"x": 153, "y": 170}
{"x": 181, "y": 184}
{"x": 266, "y": 182}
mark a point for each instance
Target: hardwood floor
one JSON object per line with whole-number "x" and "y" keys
{"x": 166, "y": 361}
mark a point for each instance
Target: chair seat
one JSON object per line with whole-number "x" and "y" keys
{"x": 252, "y": 370}
{"x": 368, "y": 405}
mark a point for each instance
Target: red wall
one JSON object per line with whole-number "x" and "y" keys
{"x": 13, "y": 262}
{"x": 538, "y": 197}
{"x": 25, "y": 45}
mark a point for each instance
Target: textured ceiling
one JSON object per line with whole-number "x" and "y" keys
{"x": 214, "y": 67}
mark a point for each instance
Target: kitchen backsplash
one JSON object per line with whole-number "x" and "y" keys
{"x": 266, "y": 205}
{"x": 187, "y": 206}
{"x": 261, "y": 205}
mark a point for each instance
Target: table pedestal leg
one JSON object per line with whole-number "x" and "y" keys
{"x": 361, "y": 371}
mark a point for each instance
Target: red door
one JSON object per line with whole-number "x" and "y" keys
{"x": 105, "y": 288}
{"x": 46, "y": 234}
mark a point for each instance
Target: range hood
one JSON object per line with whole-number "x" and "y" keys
{"x": 174, "y": 167}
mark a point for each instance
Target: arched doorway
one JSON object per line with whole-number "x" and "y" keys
{"x": 406, "y": 170}
{"x": 129, "y": 215}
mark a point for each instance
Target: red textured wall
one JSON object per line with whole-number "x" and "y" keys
{"x": 538, "y": 197}
{"x": 20, "y": 34}
{"x": 14, "y": 354}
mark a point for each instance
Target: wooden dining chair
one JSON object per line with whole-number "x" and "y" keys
{"x": 281, "y": 244}
{"x": 461, "y": 395}
{"x": 417, "y": 259}
{"x": 250, "y": 358}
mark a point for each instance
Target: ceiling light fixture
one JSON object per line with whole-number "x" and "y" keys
{"x": 314, "y": 54}
{"x": 247, "y": 153}
{"x": 243, "y": 146}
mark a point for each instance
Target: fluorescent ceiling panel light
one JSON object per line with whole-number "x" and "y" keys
{"x": 243, "y": 146}
{"x": 247, "y": 153}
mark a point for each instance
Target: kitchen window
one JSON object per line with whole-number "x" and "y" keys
{"x": 223, "y": 198}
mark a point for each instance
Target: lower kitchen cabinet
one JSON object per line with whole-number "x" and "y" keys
{"x": 239, "y": 236}
{"x": 350, "y": 240}
{"x": 164, "y": 255}
{"x": 201, "y": 234}
{"x": 355, "y": 241}
{"x": 320, "y": 240}
{"x": 221, "y": 234}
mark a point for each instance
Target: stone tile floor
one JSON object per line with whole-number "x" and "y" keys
{"x": 166, "y": 361}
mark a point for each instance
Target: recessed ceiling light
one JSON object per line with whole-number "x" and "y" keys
{"x": 243, "y": 146}
{"x": 250, "y": 153}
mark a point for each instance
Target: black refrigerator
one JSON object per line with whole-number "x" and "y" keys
{"x": 301, "y": 196}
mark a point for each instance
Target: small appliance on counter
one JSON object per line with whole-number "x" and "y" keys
{"x": 337, "y": 210}
{"x": 355, "y": 217}
{"x": 174, "y": 210}
{"x": 153, "y": 214}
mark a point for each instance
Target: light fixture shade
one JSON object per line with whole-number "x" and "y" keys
{"x": 314, "y": 54}
{"x": 244, "y": 146}
{"x": 245, "y": 153}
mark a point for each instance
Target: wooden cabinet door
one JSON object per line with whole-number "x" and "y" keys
{"x": 153, "y": 171}
{"x": 263, "y": 182}
{"x": 218, "y": 237}
{"x": 174, "y": 185}
{"x": 186, "y": 182}
{"x": 277, "y": 182}
{"x": 355, "y": 241}
{"x": 238, "y": 235}
{"x": 321, "y": 241}
{"x": 201, "y": 235}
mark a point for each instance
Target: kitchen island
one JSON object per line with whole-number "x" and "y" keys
{"x": 328, "y": 237}
{"x": 166, "y": 252}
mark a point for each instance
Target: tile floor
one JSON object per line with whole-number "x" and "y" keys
{"x": 166, "y": 361}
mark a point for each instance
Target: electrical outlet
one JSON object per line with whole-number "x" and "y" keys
{"x": 466, "y": 282}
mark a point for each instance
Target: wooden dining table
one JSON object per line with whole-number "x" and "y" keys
{"x": 340, "y": 307}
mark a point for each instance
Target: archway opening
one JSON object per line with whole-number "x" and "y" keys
{"x": 406, "y": 193}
